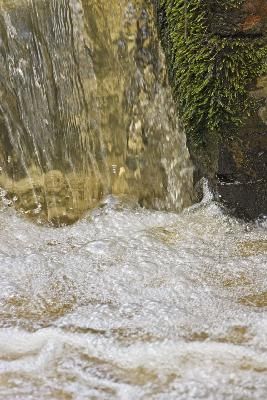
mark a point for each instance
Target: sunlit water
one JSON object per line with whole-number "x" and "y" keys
{"x": 86, "y": 109}
{"x": 134, "y": 304}
{"x": 128, "y": 303}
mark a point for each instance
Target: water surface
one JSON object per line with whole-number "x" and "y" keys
{"x": 134, "y": 304}
{"x": 128, "y": 303}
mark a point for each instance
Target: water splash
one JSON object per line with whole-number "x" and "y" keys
{"x": 133, "y": 304}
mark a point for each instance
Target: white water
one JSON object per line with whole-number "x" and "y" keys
{"x": 128, "y": 303}
{"x": 134, "y": 304}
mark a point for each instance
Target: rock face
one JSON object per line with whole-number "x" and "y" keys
{"x": 235, "y": 161}
{"x": 248, "y": 19}
{"x": 241, "y": 173}
{"x": 242, "y": 160}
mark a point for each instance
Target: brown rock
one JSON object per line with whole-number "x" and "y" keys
{"x": 248, "y": 19}
{"x": 242, "y": 166}
{"x": 256, "y": 18}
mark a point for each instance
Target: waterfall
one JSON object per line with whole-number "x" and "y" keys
{"x": 86, "y": 110}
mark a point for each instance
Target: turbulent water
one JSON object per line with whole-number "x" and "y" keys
{"x": 134, "y": 304}
{"x": 130, "y": 302}
{"x": 85, "y": 109}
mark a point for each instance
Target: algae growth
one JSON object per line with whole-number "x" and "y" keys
{"x": 210, "y": 73}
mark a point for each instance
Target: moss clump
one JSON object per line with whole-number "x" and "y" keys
{"x": 210, "y": 73}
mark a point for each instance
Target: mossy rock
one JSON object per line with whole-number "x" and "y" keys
{"x": 217, "y": 59}
{"x": 210, "y": 71}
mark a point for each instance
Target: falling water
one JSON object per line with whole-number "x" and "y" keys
{"x": 146, "y": 297}
{"x": 86, "y": 110}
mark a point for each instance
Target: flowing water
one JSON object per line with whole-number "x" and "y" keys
{"x": 85, "y": 109}
{"x": 134, "y": 304}
{"x": 146, "y": 296}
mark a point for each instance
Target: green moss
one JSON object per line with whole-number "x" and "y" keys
{"x": 210, "y": 73}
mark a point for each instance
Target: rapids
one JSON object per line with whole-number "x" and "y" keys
{"x": 144, "y": 296}
{"x": 134, "y": 304}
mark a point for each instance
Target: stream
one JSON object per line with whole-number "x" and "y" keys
{"x": 134, "y": 304}
{"x": 114, "y": 284}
